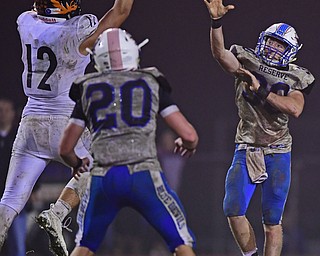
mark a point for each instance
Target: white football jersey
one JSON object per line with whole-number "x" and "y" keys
{"x": 52, "y": 61}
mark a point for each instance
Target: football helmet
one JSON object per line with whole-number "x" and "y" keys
{"x": 115, "y": 49}
{"x": 285, "y": 33}
{"x": 58, "y": 8}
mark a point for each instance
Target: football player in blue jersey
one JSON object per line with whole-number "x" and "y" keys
{"x": 54, "y": 38}
{"x": 120, "y": 104}
{"x": 269, "y": 88}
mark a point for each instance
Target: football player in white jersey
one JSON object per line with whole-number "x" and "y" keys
{"x": 269, "y": 88}
{"x": 119, "y": 104}
{"x": 54, "y": 38}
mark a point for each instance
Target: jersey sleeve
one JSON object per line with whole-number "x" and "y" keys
{"x": 233, "y": 49}
{"x": 162, "y": 81}
{"x": 75, "y": 92}
{"x": 78, "y": 114}
{"x": 166, "y": 105}
{"x": 305, "y": 80}
{"x": 25, "y": 18}
{"x": 84, "y": 26}
{"x": 21, "y": 18}
{"x": 87, "y": 24}
{"x": 76, "y": 88}
{"x": 236, "y": 50}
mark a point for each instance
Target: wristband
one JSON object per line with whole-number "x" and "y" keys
{"x": 262, "y": 92}
{"x": 79, "y": 163}
{"x": 216, "y": 23}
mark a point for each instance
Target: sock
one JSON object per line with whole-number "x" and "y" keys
{"x": 61, "y": 209}
{"x": 251, "y": 253}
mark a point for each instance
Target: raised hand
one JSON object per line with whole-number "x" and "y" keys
{"x": 216, "y": 8}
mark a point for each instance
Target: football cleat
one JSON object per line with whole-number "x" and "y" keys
{"x": 52, "y": 225}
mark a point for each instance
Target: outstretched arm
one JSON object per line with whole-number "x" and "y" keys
{"x": 224, "y": 57}
{"x": 112, "y": 19}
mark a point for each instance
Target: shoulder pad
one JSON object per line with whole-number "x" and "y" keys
{"x": 76, "y": 88}
{"x": 238, "y": 49}
{"x": 26, "y": 15}
{"x": 85, "y": 77}
{"x": 162, "y": 81}
{"x": 249, "y": 50}
{"x": 152, "y": 71}
{"x": 305, "y": 78}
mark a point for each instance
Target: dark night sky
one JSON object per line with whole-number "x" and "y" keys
{"x": 179, "y": 47}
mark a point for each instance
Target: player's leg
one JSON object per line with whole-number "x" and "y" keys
{"x": 239, "y": 191}
{"x": 273, "y": 240}
{"x": 98, "y": 208}
{"x": 73, "y": 191}
{"x": 274, "y": 195}
{"x": 7, "y": 215}
{"x": 81, "y": 251}
{"x": 71, "y": 194}
{"x": 24, "y": 171}
{"x": 243, "y": 233}
{"x": 16, "y": 240}
{"x": 160, "y": 205}
{"x": 184, "y": 250}
{"x": 51, "y": 220}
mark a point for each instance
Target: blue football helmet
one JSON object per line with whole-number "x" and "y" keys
{"x": 58, "y": 8}
{"x": 284, "y": 33}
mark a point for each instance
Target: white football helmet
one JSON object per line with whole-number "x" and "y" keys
{"x": 115, "y": 49}
{"x": 284, "y": 33}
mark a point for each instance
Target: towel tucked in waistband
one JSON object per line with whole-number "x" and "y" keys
{"x": 256, "y": 165}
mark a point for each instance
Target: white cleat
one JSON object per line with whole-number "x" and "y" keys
{"x": 50, "y": 222}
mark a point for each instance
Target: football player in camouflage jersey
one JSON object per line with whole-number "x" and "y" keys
{"x": 54, "y": 37}
{"x": 269, "y": 88}
{"x": 119, "y": 104}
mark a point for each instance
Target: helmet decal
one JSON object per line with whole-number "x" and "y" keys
{"x": 68, "y": 8}
{"x": 114, "y": 47}
{"x": 282, "y": 29}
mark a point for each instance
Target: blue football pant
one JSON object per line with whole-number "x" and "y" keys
{"x": 147, "y": 192}
{"x": 239, "y": 188}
